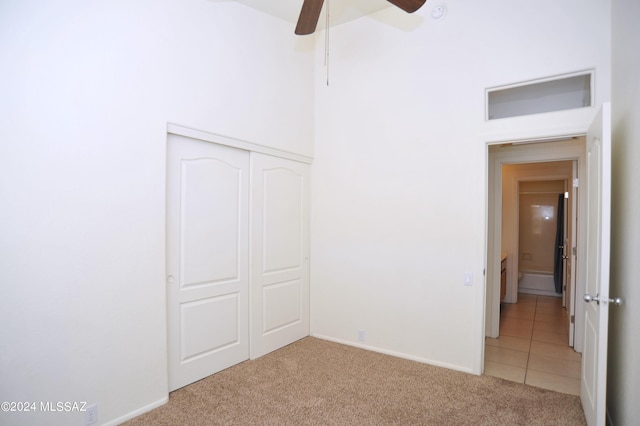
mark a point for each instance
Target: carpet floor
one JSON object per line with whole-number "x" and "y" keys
{"x": 316, "y": 382}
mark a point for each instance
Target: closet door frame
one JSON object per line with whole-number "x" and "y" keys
{"x": 255, "y": 321}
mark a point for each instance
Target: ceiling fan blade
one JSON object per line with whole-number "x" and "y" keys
{"x": 309, "y": 16}
{"x": 408, "y": 6}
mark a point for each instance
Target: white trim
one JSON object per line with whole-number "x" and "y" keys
{"x": 540, "y": 127}
{"x": 524, "y": 138}
{"x": 547, "y": 139}
{"x": 396, "y": 354}
{"x": 136, "y": 413}
{"x": 589, "y": 71}
{"x": 527, "y": 154}
{"x": 177, "y": 129}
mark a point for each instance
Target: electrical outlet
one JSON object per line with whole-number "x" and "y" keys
{"x": 361, "y": 335}
{"x": 91, "y": 415}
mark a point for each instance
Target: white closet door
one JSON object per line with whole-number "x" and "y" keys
{"x": 207, "y": 258}
{"x": 279, "y": 253}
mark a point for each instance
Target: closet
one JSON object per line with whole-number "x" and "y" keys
{"x": 237, "y": 255}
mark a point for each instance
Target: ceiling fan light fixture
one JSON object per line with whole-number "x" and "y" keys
{"x": 439, "y": 11}
{"x": 308, "y": 19}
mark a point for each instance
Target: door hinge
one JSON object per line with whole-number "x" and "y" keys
{"x": 573, "y": 251}
{"x": 576, "y": 183}
{"x": 573, "y": 319}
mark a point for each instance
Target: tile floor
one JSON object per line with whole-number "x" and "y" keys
{"x": 533, "y": 346}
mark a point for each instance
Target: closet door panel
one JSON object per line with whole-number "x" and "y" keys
{"x": 279, "y": 253}
{"x": 207, "y": 258}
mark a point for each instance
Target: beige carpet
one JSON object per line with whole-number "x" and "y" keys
{"x": 315, "y": 382}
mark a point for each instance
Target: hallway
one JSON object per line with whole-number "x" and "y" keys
{"x": 533, "y": 346}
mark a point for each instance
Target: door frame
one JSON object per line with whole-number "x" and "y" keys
{"x": 529, "y": 150}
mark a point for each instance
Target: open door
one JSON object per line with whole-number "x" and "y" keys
{"x": 594, "y": 356}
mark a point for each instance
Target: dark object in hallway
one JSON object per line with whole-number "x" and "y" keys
{"x": 558, "y": 261}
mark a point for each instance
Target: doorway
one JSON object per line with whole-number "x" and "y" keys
{"x": 538, "y": 221}
{"x": 529, "y": 335}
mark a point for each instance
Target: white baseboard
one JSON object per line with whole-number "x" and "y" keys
{"x": 137, "y": 412}
{"x": 393, "y": 353}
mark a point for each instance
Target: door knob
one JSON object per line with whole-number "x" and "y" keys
{"x": 616, "y": 301}
{"x": 589, "y": 298}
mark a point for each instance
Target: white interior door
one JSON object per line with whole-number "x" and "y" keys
{"x": 207, "y": 258}
{"x": 279, "y": 253}
{"x": 594, "y": 356}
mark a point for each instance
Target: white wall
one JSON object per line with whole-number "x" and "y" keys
{"x": 399, "y": 178}
{"x": 623, "y": 384}
{"x": 398, "y": 187}
{"x": 87, "y": 91}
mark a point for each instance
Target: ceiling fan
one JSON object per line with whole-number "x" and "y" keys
{"x": 310, "y": 13}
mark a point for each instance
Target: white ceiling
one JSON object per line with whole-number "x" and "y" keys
{"x": 340, "y": 11}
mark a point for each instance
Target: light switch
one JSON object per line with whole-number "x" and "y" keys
{"x": 468, "y": 278}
